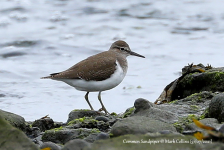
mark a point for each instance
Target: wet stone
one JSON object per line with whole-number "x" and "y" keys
{"x": 63, "y": 135}
{"x": 76, "y": 144}
{"x": 141, "y": 104}
{"x": 12, "y": 138}
{"x": 102, "y": 118}
{"x": 102, "y": 136}
{"x": 139, "y": 125}
{"x": 91, "y": 138}
{"x": 88, "y": 122}
{"x": 33, "y": 132}
{"x": 76, "y": 114}
{"x": 15, "y": 120}
{"x": 130, "y": 111}
{"x": 44, "y": 124}
{"x": 216, "y": 107}
{"x": 152, "y": 111}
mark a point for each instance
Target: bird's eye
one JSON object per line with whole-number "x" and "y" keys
{"x": 122, "y": 48}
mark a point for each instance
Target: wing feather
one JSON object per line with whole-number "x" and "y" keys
{"x": 100, "y": 69}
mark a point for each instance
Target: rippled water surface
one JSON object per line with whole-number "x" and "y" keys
{"x": 43, "y": 37}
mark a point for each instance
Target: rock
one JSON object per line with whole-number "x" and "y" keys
{"x": 63, "y": 135}
{"x": 96, "y": 136}
{"x": 102, "y": 118}
{"x": 91, "y": 138}
{"x": 33, "y": 132}
{"x": 44, "y": 124}
{"x": 15, "y": 120}
{"x": 89, "y": 122}
{"x": 128, "y": 112}
{"x": 142, "y": 104}
{"x": 139, "y": 125}
{"x": 76, "y": 144}
{"x": 51, "y": 145}
{"x": 85, "y": 122}
{"x": 196, "y": 104}
{"x": 216, "y": 107}
{"x": 76, "y": 114}
{"x": 12, "y": 138}
{"x": 145, "y": 108}
{"x": 160, "y": 142}
{"x": 102, "y": 136}
{"x": 210, "y": 79}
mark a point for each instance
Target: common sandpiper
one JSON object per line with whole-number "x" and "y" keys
{"x": 99, "y": 72}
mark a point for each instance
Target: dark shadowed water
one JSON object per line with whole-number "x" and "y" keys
{"x": 45, "y": 36}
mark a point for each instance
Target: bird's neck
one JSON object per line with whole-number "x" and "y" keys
{"x": 123, "y": 63}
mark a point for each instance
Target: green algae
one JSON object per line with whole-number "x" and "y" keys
{"x": 128, "y": 112}
{"x": 183, "y": 121}
{"x": 84, "y": 120}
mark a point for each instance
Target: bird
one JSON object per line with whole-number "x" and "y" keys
{"x": 99, "y": 72}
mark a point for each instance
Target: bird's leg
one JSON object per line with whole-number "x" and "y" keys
{"x": 87, "y": 99}
{"x": 103, "y": 107}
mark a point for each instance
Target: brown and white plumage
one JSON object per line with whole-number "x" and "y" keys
{"x": 100, "y": 69}
{"x": 99, "y": 72}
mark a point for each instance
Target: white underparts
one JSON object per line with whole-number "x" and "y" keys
{"x": 93, "y": 86}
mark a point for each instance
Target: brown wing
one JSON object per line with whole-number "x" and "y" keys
{"x": 98, "y": 67}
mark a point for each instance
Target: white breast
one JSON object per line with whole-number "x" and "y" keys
{"x": 93, "y": 86}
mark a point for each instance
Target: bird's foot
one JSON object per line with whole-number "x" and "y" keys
{"x": 104, "y": 109}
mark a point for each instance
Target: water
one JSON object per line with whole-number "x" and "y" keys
{"x": 43, "y": 37}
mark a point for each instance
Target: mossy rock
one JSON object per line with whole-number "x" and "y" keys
{"x": 210, "y": 80}
{"x": 15, "y": 120}
{"x": 80, "y": 113}
{"x": 128, "y": 112}
{"x": 139, "y": 125}
{"x": 85, "y": 121}
{"x": 13, "y": 139}
{"x": 62, "y": 135}
{"x": 89, "y": 122}
{"x": 183, "y": 121}
{"x": 216, "y": 107}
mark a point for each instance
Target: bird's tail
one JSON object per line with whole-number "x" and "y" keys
{"x": 50, "y": 77}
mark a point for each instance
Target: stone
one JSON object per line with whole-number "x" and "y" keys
{"x": 91, "y": 138}
{"x": 102, "y": 118}
{"x": 76, "y": 114}
{"x": 63, "y": 135}
{"x": 150, "y": 110}
{"x": 102, "y": 136}
{"x": 216, "y": 107}
{"x": 15, "y": 120}
{"x": 44, "y": 124}
{"x": 139, "y": 125}
{"x": 142, "y": 104}
{"x": 76, "y": 144}
{"x": 12, "y": 138}
{"x": 211, "y": 79}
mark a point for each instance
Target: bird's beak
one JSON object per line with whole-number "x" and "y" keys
{"x": 136, "y": 54}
